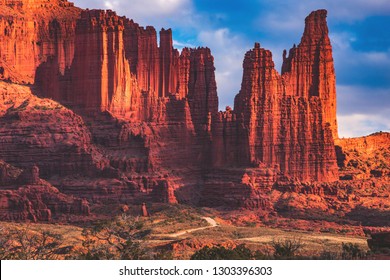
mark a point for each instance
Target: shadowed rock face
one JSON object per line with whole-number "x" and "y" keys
{"x": 142, "y": 121}
{"x": 42, "y": 132}
{"x": 24, "y": 196}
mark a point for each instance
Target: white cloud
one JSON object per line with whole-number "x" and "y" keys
{"x": 150, "y": 8}
{"x": 228, "y": 50}
{"x": 180, "y": 45}
{"x": 145, "y": 12}
{"x": 285, "y": 23}
{"x": 287, "y": 12}
{"x": 362, "y": 110}
{"x": 376, "y": 57}
{"x": 356, "y": 9}
{"x": 357, "y": 99}
{"x": 341, "y": 41}
{"x": 356, "y": 125}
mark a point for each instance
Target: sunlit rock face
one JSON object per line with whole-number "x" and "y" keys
{"x": 109, "y": 114}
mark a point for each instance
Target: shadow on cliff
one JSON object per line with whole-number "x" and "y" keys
{"x": 369, "y": 217}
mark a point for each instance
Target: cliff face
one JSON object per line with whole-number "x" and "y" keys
{"x": 24, "y": 196}
{"x": 42, "y": 132}
{"x": 31, "y": 32}
{"x": 202, "y": 89}
{"x": 287, "y": 120}
{"x": 308, "y": 70}
{"x": 118, "y": 67}
{"x": 147, "y": 123}
{"x": 105, "y": 83}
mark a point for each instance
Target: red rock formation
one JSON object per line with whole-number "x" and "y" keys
{"x": 184, "y": 73}
{"x": 202, "y": 88}
{"x": 238, "y": 188}
{"x": 39, "y": 203}
{"x": 153, "y": 115}
{"x": 309, "y": 71}
{"x": 24, "y": 196}
{"x": 164, "y": 192}
{"x": 42, "y": 132}
{"x": 285, "y": 121}
{"x": 132, "y": 78}
{"x": 143, "y": 54}
{"x": 8, "y": 173}
{"x": 169, "y": 58}
{"x": 364, "y": 157}
{"x": 144, "y": 210}
{"x": 105, "y": 83}
{"x": 32, "y": 32}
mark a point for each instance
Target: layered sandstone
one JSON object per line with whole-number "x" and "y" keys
{"x": 147, "y": 126}
{"x": 24, "y": 196}
{"x": 105, "y": 83}
{"x": 286, "y": 120}
{"x": 308, "y": 70}
{"x": 202, "y": 88}
{"x": 42, "y": 132}
{"x": 33, "y": 32}
{"x": 364, "y": 157}
{"x": 118, "y": 67}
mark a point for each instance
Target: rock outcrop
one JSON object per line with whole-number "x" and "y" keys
{"x": 286, "y": 120}
{"x": 35, "y": 131}
{"x": 308, "y": 70}
{"x": 24, "y": 196}
{"x": 33, "y": 32}
{"x": 364, "y": 157}
{"x": 141, "y": 121}
{"x": 118, "y": 67}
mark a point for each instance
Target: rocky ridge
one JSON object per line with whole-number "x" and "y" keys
{"x": 141, "y": 121}
{"x": 24, "y": 196}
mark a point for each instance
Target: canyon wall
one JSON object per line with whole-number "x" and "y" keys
{"x": 118, "y": 67}
{"x": 35, "y": 131}
{"x": 137, "y": 118}
{"x": 31, "y": 32}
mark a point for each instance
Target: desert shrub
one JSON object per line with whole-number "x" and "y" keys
{"x": 352, "y": 251}
{"x": 241, "y": 252}
{"x": 118, "y": 239}
{"x": 328, "y": 255}
{"x": 24, "y": 244}
{"x": 163, "y": 255}
{"x": 287, "y": 248}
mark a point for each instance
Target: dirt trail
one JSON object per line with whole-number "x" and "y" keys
{"x": 211, "y": 221}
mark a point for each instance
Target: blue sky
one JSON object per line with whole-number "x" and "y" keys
{"x": 359, "y": 31}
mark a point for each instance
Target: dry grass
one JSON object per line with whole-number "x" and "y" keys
{"x": 167, "y": 220}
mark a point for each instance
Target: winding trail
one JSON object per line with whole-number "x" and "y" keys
{"x": 211, "y": 221}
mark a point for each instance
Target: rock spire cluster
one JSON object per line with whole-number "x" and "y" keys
{"x": 144, "y": 115}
